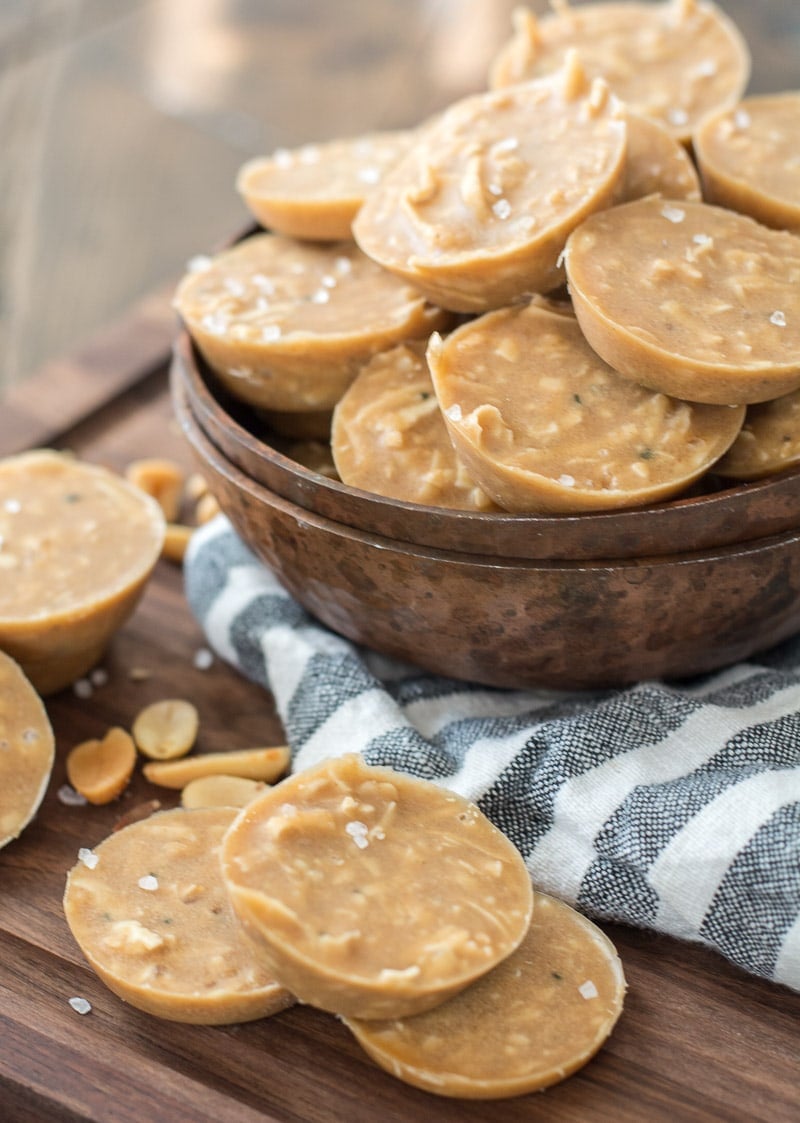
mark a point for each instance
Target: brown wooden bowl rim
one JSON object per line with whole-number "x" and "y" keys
{"x": 261, "y": 494}
{"x": 718, "y": 518}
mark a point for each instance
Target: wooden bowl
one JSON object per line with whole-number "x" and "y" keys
{"x": 514, "y": 621}
{"x": 722, "y": 516}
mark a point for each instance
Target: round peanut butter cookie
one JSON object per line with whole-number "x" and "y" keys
{"x": 478, "y": 212}
{"x": 316, "y": 191}
{"x": 749, "y": 159}
{"x": 657, "y": 163}
{"x": 769, "y": 441}
{"x": 533, "y": 1020}
{"x": 286, "y": 325}
{"x": 690, "y": 299}
{"x": 27, "y": 750}
{"x": 371, "y": 893}
{"x": 389, "y": 436}
{"x": 77, "y": 546}
{"x": 149, "y": 911}
{"x": 674, "y": 61}
{"x": 544, "y": 425}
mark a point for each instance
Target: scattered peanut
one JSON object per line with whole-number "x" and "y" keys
{"x": 220, "y": 791}
{"x": 162, "y": 479}
{"x": 176, "y": 541}
{"x": 254, "y": 764}
{"x": 166, "y": 730}
{"x": 207, "y": 507}
{"x": 100, "y": 769}
{"x": 196, "y": 488}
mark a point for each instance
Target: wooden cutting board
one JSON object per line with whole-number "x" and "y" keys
{"x": 699, "y": 1040}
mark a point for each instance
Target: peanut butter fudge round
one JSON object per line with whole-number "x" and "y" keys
{"x": 27, "y": 750}
{"x": 316, "y": 191}
{"x": 77, "y": 546}
{"x": 478, "y": 212}
{"x": 690, "y": 299}
{"x": 149, "y": 911}
{"x": 537, "y": 1017}
{"x": 286, "y": 325}
{"x": 656, "y": 163}
{"x": 371, "y": 893}
{"x": 544, "y": 425}
{"x": 674, "y": 61}
{"x": 389, "y": 436}
{"x": 768, "y": 443}
{"x": 749, "y": 160}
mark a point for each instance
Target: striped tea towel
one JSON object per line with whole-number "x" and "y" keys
{"x": 674, "y": 806}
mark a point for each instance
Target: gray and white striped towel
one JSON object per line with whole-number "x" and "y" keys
{"x": 674, "y": 807}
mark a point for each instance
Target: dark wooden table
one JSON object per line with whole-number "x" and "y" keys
{"x": 698, "y": 1040}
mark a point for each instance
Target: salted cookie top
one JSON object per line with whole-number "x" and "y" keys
{"x": 478, "y": 212}
{"x": 287, "y": 324}
{"x": 77, "y": 545}
{"x": 768, "y": 443}
{"x": 315, "y": 191}
{"x": 656, "y": 163}
{"x": 148, "y": 909}
{"x": 749, "y": 159}
{"x": 690, "y": 299}
{"x": 674, "y": 61}
{"x": 389, "y": 436}
{"x": 27, "y": 750}
{"x": 533, "y": 1020}
{"x": 371, "y": 893}
{"x": 543, "y": 424}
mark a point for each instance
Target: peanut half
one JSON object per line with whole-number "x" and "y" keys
{"x": 167, "y": 729}
{"x": 100, "y": 769}
{"x": 254, "y": 764}
{"x": 162, "y": 479}
{"x": 220, "y": 791}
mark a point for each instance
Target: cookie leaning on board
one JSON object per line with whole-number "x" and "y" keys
{"x": 591, "y": 111}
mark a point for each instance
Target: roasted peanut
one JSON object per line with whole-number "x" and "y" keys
{"x": 167, "y": 729}
{"x": 100, "y": 768}
{"x": 162, "y": 479}
{"x": 220, "y": 791}
{"x": 254, "y": 764}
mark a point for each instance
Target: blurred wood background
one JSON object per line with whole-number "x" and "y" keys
{"x": 123, "y": 123}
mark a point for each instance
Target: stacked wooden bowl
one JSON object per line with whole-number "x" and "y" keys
{"x": 585, "y": 601}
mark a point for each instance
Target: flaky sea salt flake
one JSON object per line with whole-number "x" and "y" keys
{"x": 148, "y": 882}
{"x": 88, "y": 857}
{"x": 778, "y": 318}
{"x": 358, "y": 832}
{"x": 80, "y": 1005}
{"x": 69, "y": 797}
{"x": 588, "y": 990}
{"x": 502, "y": 209}
{"x": 203, "y": 659}
{"x": 673, "y": 214}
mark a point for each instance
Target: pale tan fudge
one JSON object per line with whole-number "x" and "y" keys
{"x": 656, "y": 163}
{"x": 749, "y": 159}
{"x": 690, "y": 299}
{"x": 316, "y": 191}
{"x": 674, "y": 61}
{"x": 480, "y": 209}
{"x": 148, "y": 909}
{"x": 389, "y": 436}
{"x": 286, "y": 325}
{"x": 77, "y": 546}
{"x": 533, "y": 1020}
{"x": 27, "y": 750}
{"x": 544, "y": 425}
{"x": 769, "y": 441}
{"x": 371, "y": 893}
